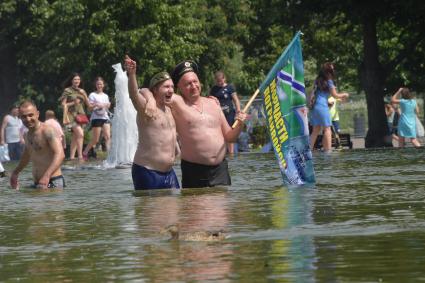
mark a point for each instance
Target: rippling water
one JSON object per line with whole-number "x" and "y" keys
{"x": 363, "y": 222}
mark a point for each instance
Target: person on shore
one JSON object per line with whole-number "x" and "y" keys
{"x": 11, "y": 133}
{"x": 320, "y": 116}
{"x": 407, "y": 120}
{"x": 157, "y": 148}
{"x": 99, "y": 119}
{"x": 229, "y": 101}
{"x": 53, "y": 122}
{"x": 203, "y": 130}
{"x": 73, "y": 100}
{"x": 43, "y": 148}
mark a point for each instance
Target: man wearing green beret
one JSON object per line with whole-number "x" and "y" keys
{"x": 157, "y": 147}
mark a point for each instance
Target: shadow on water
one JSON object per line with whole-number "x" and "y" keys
{"x": 363, "y": 221}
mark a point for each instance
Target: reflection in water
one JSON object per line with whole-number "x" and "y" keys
{"x": 192, "y": 211}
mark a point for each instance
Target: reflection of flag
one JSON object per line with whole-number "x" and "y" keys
{"x": 286, "y": 113}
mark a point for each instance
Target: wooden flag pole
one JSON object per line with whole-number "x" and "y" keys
{"x": 247, "y": 105}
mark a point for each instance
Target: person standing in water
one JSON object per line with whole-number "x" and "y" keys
{"x": 43, "y": 148}
{"x": 99, "y": 119}
{"x": 157, "y": 148}
{"x": 11, "y": 133}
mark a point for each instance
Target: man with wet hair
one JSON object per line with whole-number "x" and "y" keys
{"x": 157, "y": 147}
{"x": 43, "y": 148}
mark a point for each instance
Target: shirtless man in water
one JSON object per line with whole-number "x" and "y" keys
{"x": 43, "y": 148}
{"x": 157, "y": 147}
{"x": 203, "y": 130}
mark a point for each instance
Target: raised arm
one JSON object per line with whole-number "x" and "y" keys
{"x": 150, "y": 107}
{"x": 138, "y": 101}
{"x": 58, "y": 155}
{"x": 394, "y": 98}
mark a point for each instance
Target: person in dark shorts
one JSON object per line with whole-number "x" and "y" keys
{"x": 57, "y": 182}
{"x": 42, "y": 147}
{"x": 203, "y": 140}
{"x": 229, "y": 101}
{"x": 99, "y": 119}
{"x": 199, "y": 176}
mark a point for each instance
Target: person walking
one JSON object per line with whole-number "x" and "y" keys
{"x": 407, "y": 121}
{"x": 73, "y": 100}
{"x": 320, "y": 116}
{"x": 99, "y": 119}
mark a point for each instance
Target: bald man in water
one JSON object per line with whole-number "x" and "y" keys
{"x": 43, "y": 148}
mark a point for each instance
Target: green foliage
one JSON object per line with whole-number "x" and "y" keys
{"x": 55, "y": 38}
{"x": 244, "y": 38}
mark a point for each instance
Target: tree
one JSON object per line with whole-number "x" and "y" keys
{"x": 51, "y": 39}
{"x": 375, "y": 45}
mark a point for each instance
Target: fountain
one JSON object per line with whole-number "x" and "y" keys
{"x": 124, "y": 128}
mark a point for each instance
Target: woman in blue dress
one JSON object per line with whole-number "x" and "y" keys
{"x": 407, "y": 120}
{"x": 320, "y": 117}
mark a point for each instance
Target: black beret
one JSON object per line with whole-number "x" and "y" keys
{"x": 182, "y": 68}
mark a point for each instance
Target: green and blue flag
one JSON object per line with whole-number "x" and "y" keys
{"x": 286, "y": 114}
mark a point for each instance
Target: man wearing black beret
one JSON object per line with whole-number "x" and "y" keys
{"x": 203, "y": 130}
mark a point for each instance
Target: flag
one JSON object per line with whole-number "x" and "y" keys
{"x": 286, "y": 115}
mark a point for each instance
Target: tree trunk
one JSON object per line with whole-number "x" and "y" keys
{"x": 8, "y": 79}
{"x": 372, "y": 80}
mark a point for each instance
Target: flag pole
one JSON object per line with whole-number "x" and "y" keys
{"x": 248, "y": 104}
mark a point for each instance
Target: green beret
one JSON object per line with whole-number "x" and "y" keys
{"x": 159, "y": 78}
{"x": 183, "y": 68}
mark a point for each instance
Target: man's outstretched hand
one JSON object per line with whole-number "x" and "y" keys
{"x": 130, "y": 65}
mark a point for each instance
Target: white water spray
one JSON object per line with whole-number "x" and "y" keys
{"x": 124, "y": 128}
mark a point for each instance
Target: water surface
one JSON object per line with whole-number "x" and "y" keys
{"x": 363, "y": 222}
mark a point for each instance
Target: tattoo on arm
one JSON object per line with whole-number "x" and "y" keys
{"x": 49, "y": 134}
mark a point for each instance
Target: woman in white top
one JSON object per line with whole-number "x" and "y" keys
{"x": 99, "y": 119}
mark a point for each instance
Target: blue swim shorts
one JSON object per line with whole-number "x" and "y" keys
{"x": 146, "y": 179}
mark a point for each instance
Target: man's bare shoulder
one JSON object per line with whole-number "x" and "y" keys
{"x": 48, "y": 131}
{"x": 177, "y": 98}
{"x": 212, "y": 102}
{"x": 213, "y": 99}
